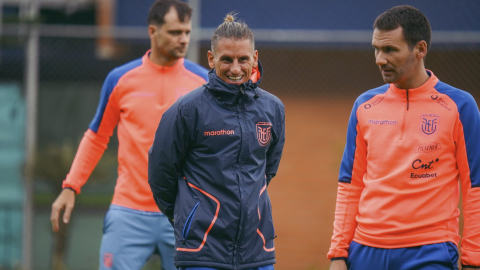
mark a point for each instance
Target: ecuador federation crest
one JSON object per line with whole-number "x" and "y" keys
{"x": 264, "y": 133}
{"x": 429, "y": 123}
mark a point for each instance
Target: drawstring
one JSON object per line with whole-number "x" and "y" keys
{"x": 256, "y": 94}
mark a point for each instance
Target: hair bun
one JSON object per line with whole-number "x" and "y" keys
{"x": 229, "y": 18}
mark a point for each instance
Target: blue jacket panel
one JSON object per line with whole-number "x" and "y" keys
{"x": 215, "y": 151}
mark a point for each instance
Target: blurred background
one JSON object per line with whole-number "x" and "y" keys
{"x": 317, "y": 57}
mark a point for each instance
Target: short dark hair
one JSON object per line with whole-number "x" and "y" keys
{"x": 161, "y": 7}
{"x": 414, "y": 23}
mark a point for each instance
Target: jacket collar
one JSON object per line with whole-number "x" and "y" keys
{"x": 427, "y": 87}
{"x": 231, "y": 93}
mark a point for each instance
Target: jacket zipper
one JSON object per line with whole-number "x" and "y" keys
{"x": 188, "y": 223}
{"x": 405, "y": 118}
{"x": 241, "y": 111}
{"x": 236, "y": 245}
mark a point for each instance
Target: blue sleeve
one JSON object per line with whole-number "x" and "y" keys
{"x": 196, "y": 69}
{"x": 166, "y": 158}
{"x": 470, "y": 118}
{"x": 107, "y": 89}
{"x": 346, "y": 167}
{"x": 108, "y": 85}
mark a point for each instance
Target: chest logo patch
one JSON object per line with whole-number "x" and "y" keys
{"x": 264, "y": 132}
{"x": 429, "y": 123}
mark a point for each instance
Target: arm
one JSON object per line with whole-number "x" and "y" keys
{"x": 274, "y": 153}
{"x": 90, "y": 150}
{"x": 467, "y": 130}
{"x": 166, "y": 158}
{"x": 350, "y": 187}
{"x": 338, "y": 265}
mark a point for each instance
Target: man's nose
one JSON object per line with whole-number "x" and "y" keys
{"x": 235, "y": 67}
{"x": 184, "y": 38}
{"x": 380, "y": 59}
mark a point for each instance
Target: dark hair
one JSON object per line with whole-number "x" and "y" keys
{"x": 414, "y": 23}
{"x": 161, "y": 7}
{"x": 232, "y": 29}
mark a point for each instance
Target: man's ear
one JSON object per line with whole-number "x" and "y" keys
{"x": 421, "y": 49}
{"x": 151, "y": 30}
{"x": 255, "y": 59}
{"x": 211, "y": 57}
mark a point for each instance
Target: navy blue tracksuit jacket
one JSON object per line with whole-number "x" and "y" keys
{"x": 215, "y": 151}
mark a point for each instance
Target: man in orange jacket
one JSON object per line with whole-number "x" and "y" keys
{"x": 409, "y": 142}
{"x": 134, "y": 97}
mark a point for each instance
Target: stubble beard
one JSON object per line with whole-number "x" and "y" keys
{"x": 178, "y": 53}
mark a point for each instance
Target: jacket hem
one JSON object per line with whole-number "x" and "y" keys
{"x": 404, "y": 241}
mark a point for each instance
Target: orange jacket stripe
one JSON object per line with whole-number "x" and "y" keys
{"x": 258, "y": 230}
{"x": 263, "y": 239}
{"x": 211, "y": 224}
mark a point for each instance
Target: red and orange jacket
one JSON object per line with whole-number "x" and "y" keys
{"x": 399, "y": 178}
{"x": 134, "y": 96}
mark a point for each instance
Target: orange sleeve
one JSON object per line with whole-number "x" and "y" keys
{"x": 471, "y": 203}
{"x": 348, "y": 197}
{"x": 92, "y": 146}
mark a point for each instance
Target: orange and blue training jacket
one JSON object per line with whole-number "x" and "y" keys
{"x": 134, "y": 96}
{"x": 406, "y": 151}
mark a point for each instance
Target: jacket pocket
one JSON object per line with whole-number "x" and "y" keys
{"x": 200, "y": 226}
{"x": 186, "y": 227}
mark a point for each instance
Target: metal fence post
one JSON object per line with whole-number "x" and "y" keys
{"x": 194, "y": 47}
{"x": 31, "y": 85}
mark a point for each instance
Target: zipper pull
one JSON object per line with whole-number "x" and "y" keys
{"x": 183, "y": 241}
{"x": 408, "y": 101}
{"x": 241, "y": 90}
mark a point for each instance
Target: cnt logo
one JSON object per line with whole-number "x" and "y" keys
{"x": 264, "y": 132}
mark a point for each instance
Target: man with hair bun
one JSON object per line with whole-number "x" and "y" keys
{"x": 134, "y": 96}
{"x": 399, "y": 183}
{"x": 209, "y": 173}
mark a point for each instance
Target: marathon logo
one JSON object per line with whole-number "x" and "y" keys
{"x": 427, "y": 147}
{"x": 219, "y": 132}
{"x": 423, "y": 175}
{"x": 382, "y": 122}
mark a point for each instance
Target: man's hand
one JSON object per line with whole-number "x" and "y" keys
{"x": 338, "y": 265}
{"x": 65, "y": 201}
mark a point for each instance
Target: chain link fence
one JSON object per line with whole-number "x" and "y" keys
{"x": 317, "y": 81}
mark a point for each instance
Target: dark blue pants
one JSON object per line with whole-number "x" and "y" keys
{"x": 441, "y": 256}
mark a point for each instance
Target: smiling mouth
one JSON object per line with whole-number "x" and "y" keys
{"x": 235, "y": 79}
